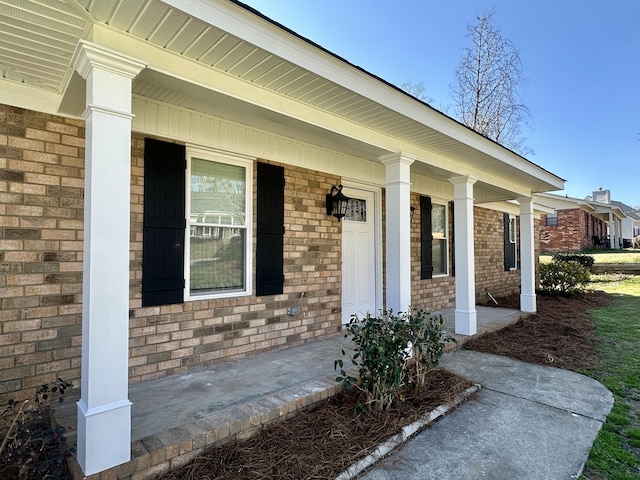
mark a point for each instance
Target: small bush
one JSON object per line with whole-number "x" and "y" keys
{"x": 32, "y": 448}
{"x": 383, "y": 347}
{"x": 563, "y": 277}
{"x": 427, "y": 339}
{"x": 584, "y": 260}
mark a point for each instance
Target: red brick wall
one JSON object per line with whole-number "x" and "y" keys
{"x": 574, "y": 232}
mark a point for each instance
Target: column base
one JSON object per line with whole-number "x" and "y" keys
{"x": 104, "y": 436}
{"x": 466, "y": 322}
{"x": 528, "y": 303}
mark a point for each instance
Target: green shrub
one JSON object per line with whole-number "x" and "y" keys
{"x": 584, "y": 260}
{"x": 427, "y": 339}
{"x": 32, "y": 448}
{"x": 383, "y": 347}
{"x": 563, "y": 277}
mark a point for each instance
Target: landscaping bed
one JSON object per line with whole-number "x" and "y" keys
{"x": 323, "y": 442}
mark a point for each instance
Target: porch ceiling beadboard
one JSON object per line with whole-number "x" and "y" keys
{"x": 325, "y": 97}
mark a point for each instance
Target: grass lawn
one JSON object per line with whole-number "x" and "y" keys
{"x": 616, "y": 451}
{"x": 606, "y": 256}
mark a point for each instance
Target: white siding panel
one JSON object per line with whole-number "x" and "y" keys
{"x": 431, "y": 187}
{"x": 156, "y": 118}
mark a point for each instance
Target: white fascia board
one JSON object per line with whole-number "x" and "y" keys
{"x": 560, "y": 202}
{"x": 606, "y": 209}
{"x": 264, "y": 34}
{"x": 539, "y": 209}
{"x": 504, "y": 207}
{"x": 513, "y": 207}
{"x": 29, "y": 97}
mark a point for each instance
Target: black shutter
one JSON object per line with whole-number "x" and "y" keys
{"x": 164, "y": 223}
{"x": 426, "y": 239}
{"x": 270, "y": 230}
{"x": 452, "y": 239}
{"x": 509, "y": 253}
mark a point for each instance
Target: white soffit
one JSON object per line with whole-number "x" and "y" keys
{"x": 37, "y": 41}
{"x": 38, "y": 38}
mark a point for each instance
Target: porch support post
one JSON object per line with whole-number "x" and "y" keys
{"x": 612, "y": 230}
{"x": 398, "y": 230}
{"x": 527, "y": 256}
{"x": 104, "y": 410}
{"x": 465, "y": 313}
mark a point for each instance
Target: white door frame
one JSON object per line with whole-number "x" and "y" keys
{"x": 377, "y": 232}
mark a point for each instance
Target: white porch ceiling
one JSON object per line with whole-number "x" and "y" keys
{"x": 38, "y": 38}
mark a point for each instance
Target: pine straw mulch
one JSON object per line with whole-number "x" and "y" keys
{"x": 323, "y": 442}
{"x": 560, "y": 334}
{"x": 320, "y": 443}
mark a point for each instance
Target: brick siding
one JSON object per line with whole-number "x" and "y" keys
{"x": 41, "y": 208}
{"x": 491, "y": 276}
{"x": 574, "y": 231}
{"x": 439, "y": 292}
{"x": 174, "y": 338}
{"x": 41, "y": 242}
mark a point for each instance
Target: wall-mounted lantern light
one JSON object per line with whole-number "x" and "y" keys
{"x": 337, "y": 203}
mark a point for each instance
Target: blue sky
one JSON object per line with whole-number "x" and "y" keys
{"x": 580, "y": 59}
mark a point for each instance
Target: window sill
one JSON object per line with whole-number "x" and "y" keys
{"x": 216, "y": 296}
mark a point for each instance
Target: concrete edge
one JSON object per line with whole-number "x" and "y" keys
{"x": 407, "y": 432}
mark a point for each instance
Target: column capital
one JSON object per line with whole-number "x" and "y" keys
{"x": 89, "y": 56}
{"x": 397, "y": 157}
{"x": 463, "y": 187}
{"x": 463, "y": 180}
{"x": 526, "y": 205}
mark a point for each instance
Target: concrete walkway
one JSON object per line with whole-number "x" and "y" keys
{"x": 527, "y": 422}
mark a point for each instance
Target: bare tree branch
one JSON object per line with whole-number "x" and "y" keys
{"x": 488, "y": 79}
{"x": 417, "y": 90}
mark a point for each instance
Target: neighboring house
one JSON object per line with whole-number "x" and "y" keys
{"x": 630, "y": 223}
{"x": 164, "y": 171}
{"x": 576, "y": 224}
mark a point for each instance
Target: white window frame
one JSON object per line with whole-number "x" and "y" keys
{"x": 513, "y": 239}
{"x": 231, "y": 159}
{"x": 445, "y": 238}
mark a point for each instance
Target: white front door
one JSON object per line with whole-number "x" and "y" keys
{"x": 359, "y": 265}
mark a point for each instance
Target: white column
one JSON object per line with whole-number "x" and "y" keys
{"x": 465, "y": 313}
{"x": 527, "y": 256}
{"x": 612, "y": 230}
{"x": 619, "y": 233}
{"x": 104, "y": 410}
{"x": 398, "y": 230}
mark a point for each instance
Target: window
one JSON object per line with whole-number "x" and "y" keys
{"x": 439, "y": 235}
{"x": 434, "y": 238}
{"x": 552, "y": 220}
{"x": 356, "y": 210}
{"x": 219, "y": 231}
{"x": 510, "y": 236}
{"x": 197, "y": 227}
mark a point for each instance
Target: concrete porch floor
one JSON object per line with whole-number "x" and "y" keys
{"x": 174, "y": 419}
